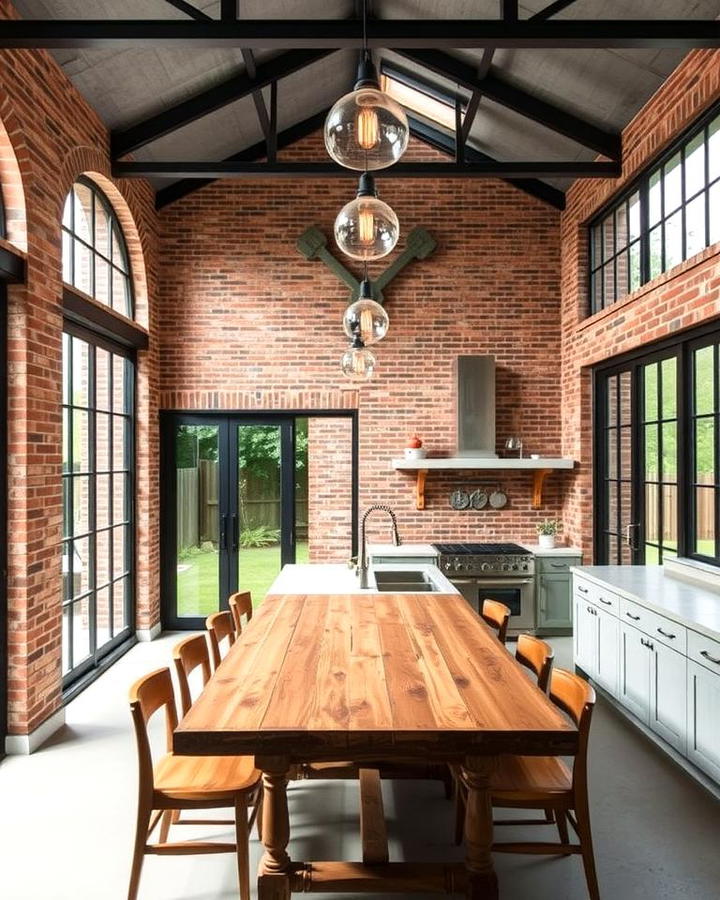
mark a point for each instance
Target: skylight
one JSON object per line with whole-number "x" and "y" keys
{"x": 413, "y": 98}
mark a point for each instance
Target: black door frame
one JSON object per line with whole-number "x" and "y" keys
{"x": 169, "y": 419}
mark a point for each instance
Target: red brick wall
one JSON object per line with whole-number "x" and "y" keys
{"x": 54, "y": 136}
{"x": 329, "y": 489}
{"x": 243, "y": 311}
{"x": 678, "y": 299}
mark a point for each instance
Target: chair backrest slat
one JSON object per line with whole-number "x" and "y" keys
{"x": 189, "y": 654}
{"x": 537, "y": 656}
{"x": 220, "y": 625}
{"x": 148, "y": 695}
{"x": 496, "y": 615}
{"x": 240, "y": 605}
{"x": 575, "y": 697}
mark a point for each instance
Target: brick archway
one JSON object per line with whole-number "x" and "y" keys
{"x": 11, "y": 181}
{"x": 90, "y": 163}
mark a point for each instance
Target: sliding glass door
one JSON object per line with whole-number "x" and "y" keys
{"x": 229, "y": 509}
{"x": 637, "y": 460}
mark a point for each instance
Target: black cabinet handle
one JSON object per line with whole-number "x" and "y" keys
{"x": 647, "y": 644}
{"x": 631, "y": 616}
{"x": 606, "y": 602}
{"x": 582, "y": 589}
{"x": 560, "y": 566}
{"x": 707, "y": 656}
{"x": 666, "y": 634}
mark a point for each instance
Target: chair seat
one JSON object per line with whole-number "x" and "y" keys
{"x": 204, "y": 777}
{"x": 530, "y": 778}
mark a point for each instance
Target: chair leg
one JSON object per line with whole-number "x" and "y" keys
{"x": 167, "y": 821}
{"x": 549, "y": 816}
{"x": 582, "y": 813}
{"x": 141, "y": 836}
{"x": 242, "y": 839}
{"x": 562, "y": 827}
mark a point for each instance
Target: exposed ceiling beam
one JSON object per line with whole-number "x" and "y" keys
{"x": 550, "y": 10}
{"x": 443, "y": 142}
{"x": 480, "y": 169}
{"x": 235, "y": 88}
{"x": 228, "y": 9}
{"x": 527, "y": 105}
{"x": 273, "y": 34}
{"x": 254, "y": 153}
{"x": 509, "y": 10}
{"x": 190, "y": 10}
{"x": 476, "y": 96}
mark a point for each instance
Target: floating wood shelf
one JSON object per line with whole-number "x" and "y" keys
{"x": 540, "y": 468}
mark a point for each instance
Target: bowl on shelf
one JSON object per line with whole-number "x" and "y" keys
{"x": 415, "y": 453}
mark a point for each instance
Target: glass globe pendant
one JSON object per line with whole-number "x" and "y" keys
{"x": 358, "y": 363}
{"x": 366, "y": 317}
{"x": 366, "y": 129}
{"x": 366, "y": 228}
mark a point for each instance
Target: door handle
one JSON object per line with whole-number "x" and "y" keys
{"x": 629, "y": 535}
{"x": 235, "y": 532}
{"x": 223, "y": 532}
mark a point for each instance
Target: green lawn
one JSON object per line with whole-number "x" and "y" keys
{"x": 197, "y": 580}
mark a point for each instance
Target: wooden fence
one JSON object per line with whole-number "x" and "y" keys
{"x": 705, "y": 513}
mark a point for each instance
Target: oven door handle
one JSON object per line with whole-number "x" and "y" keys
{"x": 496, "y": 583}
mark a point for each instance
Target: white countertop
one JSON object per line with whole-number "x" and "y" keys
{"x": 688, "y": 604}
{"x": 537, "y": 550}
{"x": 402, "y": 550}
{"x": 336, "y": 578}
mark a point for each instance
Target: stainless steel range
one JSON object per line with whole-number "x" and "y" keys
{"x": 504, "y": 572}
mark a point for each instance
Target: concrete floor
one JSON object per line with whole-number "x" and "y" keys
{"x": 67, "y": 817}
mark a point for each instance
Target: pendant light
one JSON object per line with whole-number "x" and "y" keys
{"x": 358, "y": 363}
{"x": 366, "y": 228}
{"x": 366, "y": 129}
{"x": 366, "y": 317}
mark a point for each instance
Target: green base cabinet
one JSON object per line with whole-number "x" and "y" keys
{"x": 553, "y": 590}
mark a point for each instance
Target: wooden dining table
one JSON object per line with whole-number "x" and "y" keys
{"x": 365, "y": 678}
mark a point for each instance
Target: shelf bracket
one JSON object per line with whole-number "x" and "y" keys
{"x": 538, "y": 482}
{"x": 420, "y": 489}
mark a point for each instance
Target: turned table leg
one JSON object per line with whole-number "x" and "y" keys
{"x": 275, "y": 865}
{"x": 482, "y": 880}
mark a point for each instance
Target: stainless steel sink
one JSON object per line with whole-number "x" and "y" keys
{"x": 404, "y": 581}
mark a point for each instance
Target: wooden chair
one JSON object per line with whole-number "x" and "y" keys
{"x": 188, "y": 655}
{"x": 240, "y": 605}
{"x": 546, "y": 783}
{"x": 220, "y": 625}
{"x": 537, "y": 656}
{"x": 496, "y": 615}
{"x": 185, "y": 782}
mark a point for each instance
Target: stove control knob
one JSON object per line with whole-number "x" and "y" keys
{"x": 525, "y": 567}
{"x": 485, "y": 567}
{"x": 505, "y": 567}
{"x": 458, "y": 566}
{"x": 515, "y": 567}
{"x": 446, "y": 566}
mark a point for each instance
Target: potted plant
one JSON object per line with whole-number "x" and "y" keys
{"x": 547, "y": 531}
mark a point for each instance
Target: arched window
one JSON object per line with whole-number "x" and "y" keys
{"x": 98, "y": 404}
{"x": 95, "y": 257}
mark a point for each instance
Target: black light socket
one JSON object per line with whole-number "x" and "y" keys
{"x": 366, "y": 186}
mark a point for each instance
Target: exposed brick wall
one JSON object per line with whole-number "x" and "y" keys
{"x": 55, "y": 136}
{"x": 243, "y": 311}
{"x": 685, "y": 296}
{"x": 329, "y": 489}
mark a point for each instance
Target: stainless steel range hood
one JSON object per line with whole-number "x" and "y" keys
{"x": 476, "y": 406}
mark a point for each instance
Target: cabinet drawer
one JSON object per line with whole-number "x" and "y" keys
{"x": 665, "y": 631}
{"x": 555, "y": 565}
{"x": 635, "y": 615}
{"x": 599, "y": 596}
{"x": 704, "y": 650}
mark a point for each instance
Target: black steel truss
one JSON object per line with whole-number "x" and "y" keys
{"x": 273, "y": 34}
{"x": 494, "y": 88}
{"x": 462, "y": 169}
{"x": 229, "y": 91}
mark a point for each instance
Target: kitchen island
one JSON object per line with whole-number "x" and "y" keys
{"x": 333, "y": 578}
{"x": 367, "y": 676}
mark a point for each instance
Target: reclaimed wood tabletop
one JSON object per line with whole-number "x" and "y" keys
{"x": 367, "y": 677}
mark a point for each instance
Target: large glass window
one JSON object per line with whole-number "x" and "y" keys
{"x": 671, "y": 213}
{"x": 657, "y": 452}
{"x": 97, "y": 548}
{"x": 95, "y": 258}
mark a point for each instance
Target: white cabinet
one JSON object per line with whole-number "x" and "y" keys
{"x": 606, "y": 665}
{"x": 668, "y": 695}
{"x": 652, "y": 685}
{"x": 596, "y": 644}
{"x": 634, "y": 689}
{"x": 703, "y": 719}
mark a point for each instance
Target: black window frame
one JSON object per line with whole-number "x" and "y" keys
{"x": 681, "y": 347}
{"x": 125, "y": 270}
{"x": 641, "y": 186}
